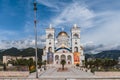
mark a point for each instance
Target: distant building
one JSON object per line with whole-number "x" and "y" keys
{"x": 63, "y": 47}
{"x": 8, "y": 58}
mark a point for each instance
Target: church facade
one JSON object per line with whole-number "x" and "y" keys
{"x": 63, "y": 46}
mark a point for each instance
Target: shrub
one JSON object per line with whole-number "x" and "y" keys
{"x": 77, "y": 65}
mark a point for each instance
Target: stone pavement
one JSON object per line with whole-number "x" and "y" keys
{"x": 53, "y": 74}
{"x": 71, "y": 73}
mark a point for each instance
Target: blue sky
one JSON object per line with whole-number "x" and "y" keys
{"x": 99, "y": 21}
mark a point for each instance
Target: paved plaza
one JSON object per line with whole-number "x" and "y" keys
{"x": 70, "y": 73}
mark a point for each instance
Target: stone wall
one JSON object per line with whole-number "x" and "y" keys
{"x": 14, "y": 73}
{"x": 60, "y": 79}
{"x": 108, "y": 74}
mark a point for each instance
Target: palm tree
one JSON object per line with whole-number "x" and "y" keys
{"x": 63, "y": 62}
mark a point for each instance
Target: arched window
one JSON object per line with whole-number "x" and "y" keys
{"x": 50, "y": 36}
{"x": 69, "y": 57}
{"x": 49, "y": 43}
{"x": 75, "y": 42}
{"x": 49, "y": 49}
{"x": 76, "y": 49}
{"x": 56, "y": 57}
{"x": 75, "y": 36}
{"x": 63, "y": 57}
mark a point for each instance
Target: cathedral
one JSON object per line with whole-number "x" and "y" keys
{"x": 63, "y": 46}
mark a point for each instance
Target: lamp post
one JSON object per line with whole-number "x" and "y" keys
{"x": 35, "y": 31}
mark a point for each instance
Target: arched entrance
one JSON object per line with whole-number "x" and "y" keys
{"x": 50, "y": 49}
{"x": 69, "y": 59}
{"x": 63, "y": 57}
{"x": 56, "y": 59}
{"x": 76, "y": 49}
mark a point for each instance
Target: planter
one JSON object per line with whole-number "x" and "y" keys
{"x": 14, "y": 73}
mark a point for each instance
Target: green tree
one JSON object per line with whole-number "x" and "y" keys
{"x": 40, "y": 63}
{"x": 63, "y": 62}
{"x": 91, "y": 63}
{"x": 98, "y": 63}
{"x": 86, "y": 63}
{"x": 106, "y": 63}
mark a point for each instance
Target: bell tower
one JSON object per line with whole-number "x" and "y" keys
{"x": 75, "y": 35}
{"x": 50, "y": 36}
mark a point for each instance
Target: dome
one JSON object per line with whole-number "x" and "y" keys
{"x": 62, "y": 33}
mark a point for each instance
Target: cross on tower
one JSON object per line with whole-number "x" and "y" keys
{"x": 50, "y": 26}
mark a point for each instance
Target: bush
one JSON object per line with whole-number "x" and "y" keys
{"x": 77, "y": 65}
{"x": 93, "y": 70}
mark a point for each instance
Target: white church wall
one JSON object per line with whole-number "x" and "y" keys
{"x": 63, "y": 41}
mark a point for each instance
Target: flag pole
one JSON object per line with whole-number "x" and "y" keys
{"x": 35, "y": 31}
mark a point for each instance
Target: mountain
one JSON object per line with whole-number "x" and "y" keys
{"x": 31, "y": 52}
{"x": 89, "y": 56}
{"x": 12, "y": 51}
{"x": 112, "y": 54}
{"x": 24, "y": 52}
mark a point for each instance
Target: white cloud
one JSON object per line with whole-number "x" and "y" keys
{"x": 47, "y": 3}
{"x": 54, "y": 5}
{"x": 98, "y": 28}
{"x": 43, "y": 37}
{"x": 75, "y": 13}
{"x": 95, "y": 48}
{"x": 24, "y": 43}
{"x": 100, "y": 31}
{"x": 107, "y": 32}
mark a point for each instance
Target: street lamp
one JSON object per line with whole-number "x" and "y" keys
{"x": 35, "y": 31}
